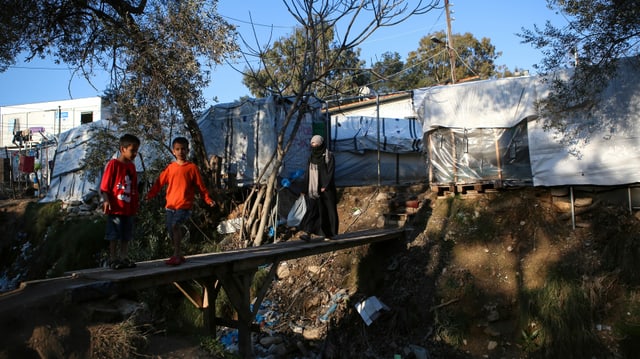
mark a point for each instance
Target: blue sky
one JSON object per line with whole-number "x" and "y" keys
{"x": 499, "y": 20}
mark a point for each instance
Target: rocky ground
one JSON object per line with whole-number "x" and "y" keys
{"x": 452, "y": 289}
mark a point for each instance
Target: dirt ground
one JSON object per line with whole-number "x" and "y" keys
{"x": 464, "y": 260}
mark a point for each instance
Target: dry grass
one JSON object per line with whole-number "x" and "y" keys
{"x": 117, "y": 341}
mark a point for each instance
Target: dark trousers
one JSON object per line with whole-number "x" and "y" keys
{"x": 322, "y": 215}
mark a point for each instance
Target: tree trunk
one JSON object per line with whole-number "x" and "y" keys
{"x": 264, "y": 218}
{"x": 255, "y": 206}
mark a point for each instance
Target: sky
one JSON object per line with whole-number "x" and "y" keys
{"x": 498, "y": 20}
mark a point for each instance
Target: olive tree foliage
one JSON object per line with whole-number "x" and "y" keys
{"x": 388, "y": 74}
{"x": 599, "y": 33}
{"x": 430, "y": 64}
{"x": 285, "y": 53}
{"x": 328, "y": 32}
{"x": 157, "y": 53}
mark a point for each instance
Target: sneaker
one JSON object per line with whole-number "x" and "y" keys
{"x": 175, "y": 261}
{"x": 127, "y": 263}
{"x": 116, "y": 264}
{"x": 316, "y": 237}
{"x": 303, "y": 235}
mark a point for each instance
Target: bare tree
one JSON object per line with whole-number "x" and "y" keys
{"x": 350, "y": 22}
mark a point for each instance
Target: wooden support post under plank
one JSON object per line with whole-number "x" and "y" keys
{"x": 202, "y": 293}
{"x": 238, "y": 286}
{"x": 211, "y": 288}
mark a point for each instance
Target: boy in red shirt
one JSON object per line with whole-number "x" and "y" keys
{"x": 119, "y": 192}
{"x": 182, "y": 178}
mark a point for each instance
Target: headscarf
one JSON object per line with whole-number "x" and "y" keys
{"x": 317, "y": 152}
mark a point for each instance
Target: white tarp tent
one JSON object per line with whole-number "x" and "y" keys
{"x": 603, "y": 144}
{"x": 602, "y": 149}
{"x": 500, "y": 103}
{"x": 360, "y": 133}
{"x": 244, "y": 136}
{"x": 68, "y": 179}
{"x": 476, "y": 132}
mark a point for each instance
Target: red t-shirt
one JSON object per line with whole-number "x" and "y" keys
{"x": 120, "y": 183}
{"x": 182, "y": 182}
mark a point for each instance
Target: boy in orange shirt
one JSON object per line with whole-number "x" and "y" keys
{"x": 120, "y": 200}
{"x": 182, "y": 178}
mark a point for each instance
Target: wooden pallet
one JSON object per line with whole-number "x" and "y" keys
{"x": 445, "y": 190}
{"x": 473, "y": 188}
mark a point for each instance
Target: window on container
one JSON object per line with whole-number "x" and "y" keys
{"x": 86, "y": 117}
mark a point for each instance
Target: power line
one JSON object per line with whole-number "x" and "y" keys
{"x": 39, "y": 68}
{"x": 256, "y": 24}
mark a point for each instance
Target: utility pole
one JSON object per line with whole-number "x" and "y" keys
{"x": 452, "y": 54}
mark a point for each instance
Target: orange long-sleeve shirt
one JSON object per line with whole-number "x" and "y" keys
{"x": 182, "y": 181}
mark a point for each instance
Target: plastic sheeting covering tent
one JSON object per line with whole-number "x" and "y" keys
{"x": 244, "y": 136}
{"x": 499, "y": 156}
{"x": 490, "y": 131}
{"x": 69, "y": 178}
{"x": 476, "y": 132}
{"x": 603, "y": 145}
{"x": 357, "y": 140}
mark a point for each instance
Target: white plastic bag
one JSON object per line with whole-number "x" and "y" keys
{"x": 297, "y": 212}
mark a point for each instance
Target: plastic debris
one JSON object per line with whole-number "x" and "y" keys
{"x": 370, "y": 309}
{"x": 333, "y": 305}
{"x": 230, "y": 226}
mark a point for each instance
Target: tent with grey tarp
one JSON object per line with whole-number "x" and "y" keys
{"x": 368, "y": 149}
{"x": 244, "y": 136}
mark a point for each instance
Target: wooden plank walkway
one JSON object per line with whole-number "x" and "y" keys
{"x": 232, "y": 271}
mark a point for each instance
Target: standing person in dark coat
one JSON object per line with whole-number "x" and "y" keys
{"x": 321, "y": 218}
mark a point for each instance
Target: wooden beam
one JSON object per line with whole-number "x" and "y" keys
{"x": 238, "y": 287}
{"x": 193, "y": 291}
{"x": 211, "y": 290}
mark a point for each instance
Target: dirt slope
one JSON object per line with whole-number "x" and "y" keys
{"x": 459, "y": 285}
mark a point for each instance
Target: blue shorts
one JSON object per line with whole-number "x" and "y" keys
{"x": 119, "y": 228}
{"x": 175, "y": 217}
